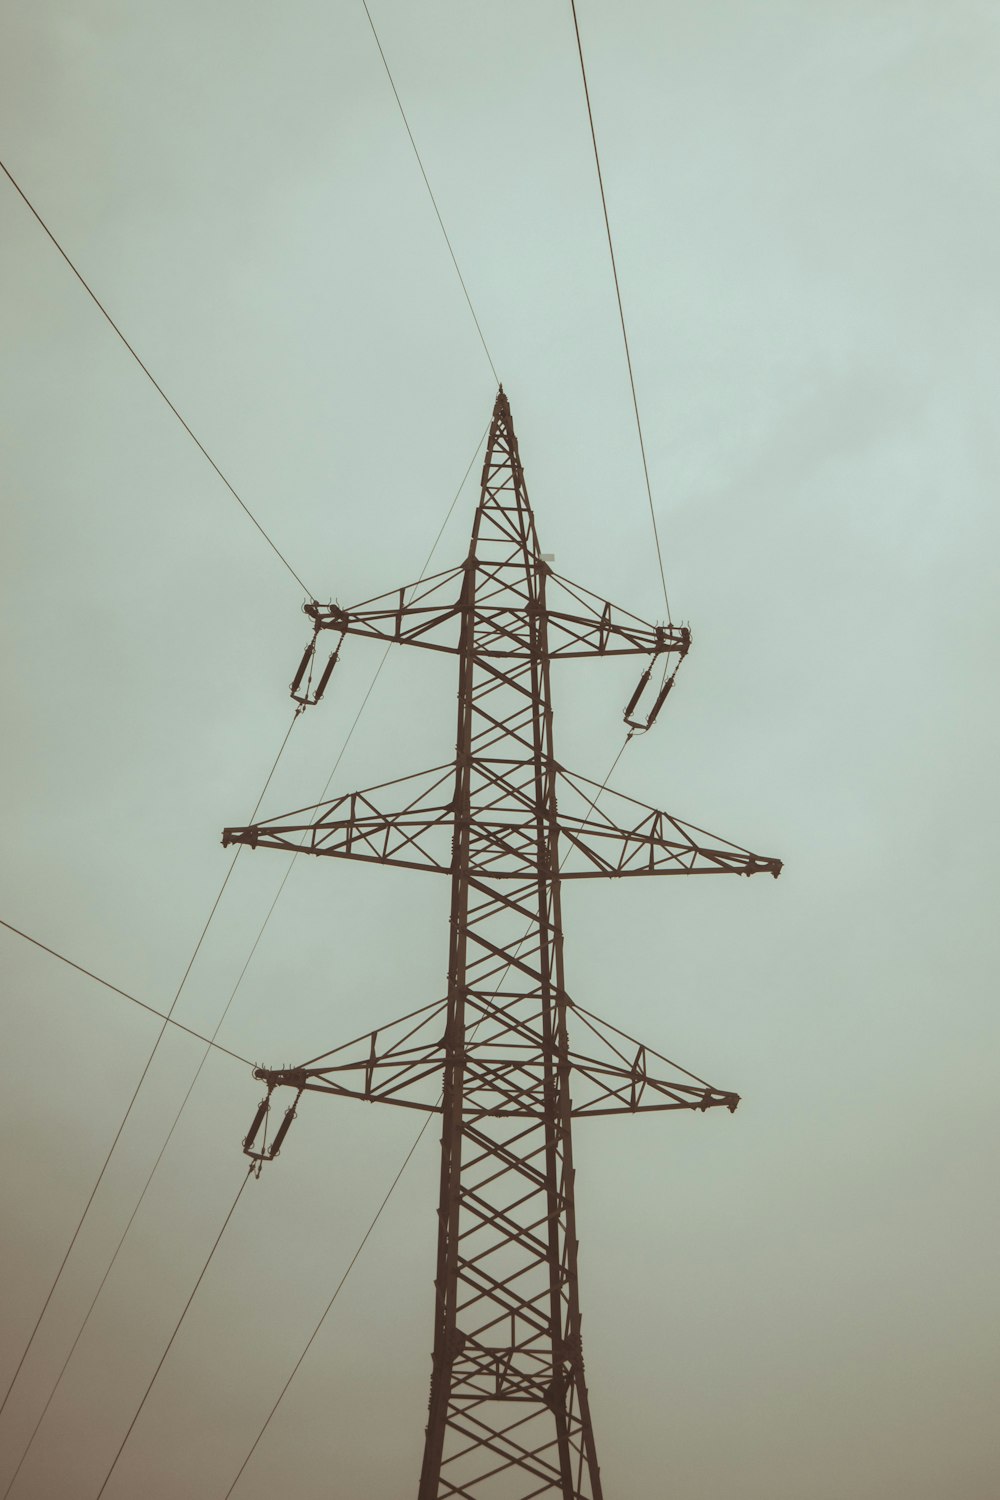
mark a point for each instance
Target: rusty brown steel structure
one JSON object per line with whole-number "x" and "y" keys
{"x": 509, "y": 1416}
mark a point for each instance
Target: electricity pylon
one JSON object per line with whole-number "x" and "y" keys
{"x": 509, "y": 1417}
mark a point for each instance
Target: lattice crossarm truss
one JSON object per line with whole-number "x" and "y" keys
{"x": 402, "y": 1064}
{"x": 416, "y": 836}
{"x": 414, "y": 615}
{"x": 613, "y": 1074}
{"x": 420, "y": 834}
{"x": 631, "y": 1088}
{"x": 642, "y": 840}
{"x": 582, "y": 625}
{"x": 578, "y": 624}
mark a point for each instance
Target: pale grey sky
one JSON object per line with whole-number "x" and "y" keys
{"x": 794, "y": 1303}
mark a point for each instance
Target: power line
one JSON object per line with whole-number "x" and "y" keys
{"x": 124, "y": 993}
{"x": 336, "y": 1293}
{"x": 451, "y": 508}
{"x": 138, "y": 1087}
{"x": 621, "y": 311}
{"x": 180, "y": 1320}
{"x": 150, "y": 377}
{"x": 210, "y": 1043}
{"x": 430, "y": 191}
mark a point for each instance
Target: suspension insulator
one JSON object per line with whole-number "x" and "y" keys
{"x": 661, "y": 699}
{"x": 310, "y": 695}
{"x": 327, "y": 674}
{"x": 304, "y": 666}
{"x": 630, "y": 705}
{"x": 258, "y": 1121}
{"x": 283, "y": 1129}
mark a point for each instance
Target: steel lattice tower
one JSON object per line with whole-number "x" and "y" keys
{"x": 509, "y": 1417}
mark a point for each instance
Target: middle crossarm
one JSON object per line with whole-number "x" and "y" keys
{"x": 402, "y": 1063}
{"x": 613, "y": 838}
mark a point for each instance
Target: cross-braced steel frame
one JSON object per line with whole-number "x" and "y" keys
{"x": 509, "y": 1417}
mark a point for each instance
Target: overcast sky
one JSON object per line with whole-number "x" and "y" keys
{"x": 795, "y": 1301}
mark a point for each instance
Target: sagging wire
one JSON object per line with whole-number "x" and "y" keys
{"x": 170, "y": 1341}
{"x": 621, "y": 310}
{"x": 148, "y": 373}
{"x": 117, "y": 990}
{"x": 430, "y": 191}
{"x": 124, "y": 1120}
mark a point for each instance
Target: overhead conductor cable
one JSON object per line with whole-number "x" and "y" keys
{"x": 142, "y": 1078}
{"x": 621, "y": 310}
{"x": 148, "y": 373}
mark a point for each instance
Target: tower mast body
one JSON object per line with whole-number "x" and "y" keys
{"x": 508, "y": 1406}
{"x": 509, "y": 1417}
